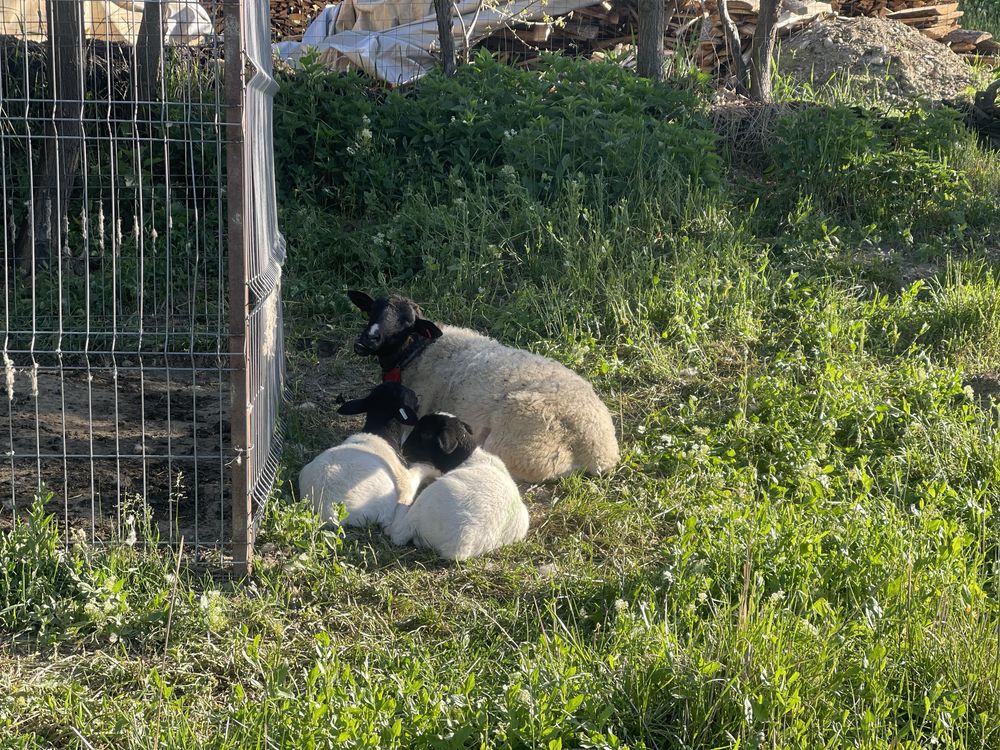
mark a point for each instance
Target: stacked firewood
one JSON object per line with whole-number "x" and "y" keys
{"x": 931, "y": 20}
{"x": 289, "y": 18}
{"x": 597, "y": 27}
{"x": 692, "y": 25}
{"x": 704, "y": 19}
{"x": 937, "y": 19}
{"x": 704, "y": 23}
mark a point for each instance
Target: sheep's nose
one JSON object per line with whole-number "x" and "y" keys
{"x": 365, "y": 344}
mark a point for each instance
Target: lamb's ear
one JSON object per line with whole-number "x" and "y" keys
{"x": 361, "y": 300}
{"x": 427, "y": 329}
{"x": 448, "y": 440}
{"x": 357, "y": 406}
{"x": 407, "y": 416}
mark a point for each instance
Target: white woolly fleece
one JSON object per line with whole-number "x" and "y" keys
{"x": 365, "y": 474}
{"x": 470, "y": 510}
{"x": 542, "y": 419}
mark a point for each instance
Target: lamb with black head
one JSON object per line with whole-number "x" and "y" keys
{"x": 366, "y": 472}
{"x": 542, "y": 419}
{"x": 473, "y": 508}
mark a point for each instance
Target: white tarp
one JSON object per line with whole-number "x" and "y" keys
{"x": 185, "y": 21}
{"x": 397, "y": 41}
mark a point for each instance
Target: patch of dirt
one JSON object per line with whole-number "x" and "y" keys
{"x": 986, "y": 386}
{"x": 102, "y": 442}
{"x": 884, "y": 57}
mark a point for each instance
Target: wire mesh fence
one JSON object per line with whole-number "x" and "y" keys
{"x": 132, "y": 145}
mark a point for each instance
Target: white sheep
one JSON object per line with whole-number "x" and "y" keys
{"x": 542, "y": 419}
{"x": 366, "y": 472}
{"x": 473, "y": 508}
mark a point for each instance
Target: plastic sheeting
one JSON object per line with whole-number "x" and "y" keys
{"x": 397, "y": 41}
{"x": 185, "y": 21}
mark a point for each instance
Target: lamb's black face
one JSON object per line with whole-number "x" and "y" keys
{"x": 385, "y": 402}
{"x": 391, "y": 321}
{"x": 441, "y": 440}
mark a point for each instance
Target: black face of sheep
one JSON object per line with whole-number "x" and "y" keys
{"x": 441, "y": 440}
{"x": 385, "y": 402}
{"x": 392, "y": 323}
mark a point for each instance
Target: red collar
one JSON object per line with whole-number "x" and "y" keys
{"x": 395, "y": 375}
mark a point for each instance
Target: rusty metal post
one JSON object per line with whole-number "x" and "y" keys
{"x": 239, "y": 290}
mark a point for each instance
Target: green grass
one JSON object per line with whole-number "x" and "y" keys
{"x": 800, "y": 548}
{"x": 983, "y": 15}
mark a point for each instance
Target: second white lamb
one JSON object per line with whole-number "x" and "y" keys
{"x": 473, "y": 508}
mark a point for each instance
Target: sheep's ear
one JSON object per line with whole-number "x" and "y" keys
{"x": 357, "y": 406}
{"x": 361, "y": 300}
{"x": 448, "y": 441}
{"x": 407, "y": 416}
{"x": 427, "y": 329}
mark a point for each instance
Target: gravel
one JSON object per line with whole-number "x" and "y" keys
{"x": 882, "y": 57}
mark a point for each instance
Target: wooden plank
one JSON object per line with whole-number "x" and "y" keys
{"x": 936, "y": 32}
{"x": 933, "y": 10}
{"x": 532, "y": 33}
{"x": 993, "y": 62}
{"x": 967, "y": 36}
{"x": 932, "y": 21}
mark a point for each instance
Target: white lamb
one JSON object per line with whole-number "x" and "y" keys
{"x": 473, "y": 508}
{"x": 542, "y": 419}
{"x": 366, "y": 472}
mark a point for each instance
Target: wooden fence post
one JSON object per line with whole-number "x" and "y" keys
{"x": 64, "y": 135}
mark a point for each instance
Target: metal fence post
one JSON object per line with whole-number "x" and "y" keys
{"x": 239, "y": 292}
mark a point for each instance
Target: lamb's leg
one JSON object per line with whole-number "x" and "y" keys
{"x": 400, "y": 530}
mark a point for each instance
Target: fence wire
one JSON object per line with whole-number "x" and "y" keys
{"x": 117, "y": 338}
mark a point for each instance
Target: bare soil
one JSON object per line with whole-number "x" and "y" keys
{"x": 101, "y": 443}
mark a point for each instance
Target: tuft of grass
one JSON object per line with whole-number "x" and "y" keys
{"x": 983, "y": 15}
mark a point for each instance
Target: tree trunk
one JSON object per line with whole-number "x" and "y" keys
{"x": 762, "y": 51}
{"x": 43, "y": 227}
{"x": 739, "y": 69}
{"x": 149, "y": 51}
{"x": 442, "y": 9}
{"x": 652, "y": 24}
